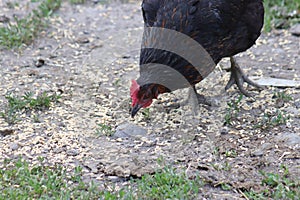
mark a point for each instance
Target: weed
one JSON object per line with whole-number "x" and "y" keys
{"x": 225, "y": 186}
{"x": 231, "y": 153}
{"x": 146, "y": 113}
{"x": 227, "y": 166}
{"x": 283, "y": 96}
{"x": 117, "y": 83}
{"x": 24, "y": 30}
{"x": 77, "y": 1}
{"x": 104, "y": 130}
{"x": 278, "y": 186}
{"x": 167, "y": 184}
{"x": 16, "y": 105}
{"x": 233, "y": 110}
{"x": 281, "y": 13}
{"x": 270, "y": 120}
{"x": 19, "y": 180}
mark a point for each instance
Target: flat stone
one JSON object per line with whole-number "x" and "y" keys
{"x": 291, "y": 139}
{"x": 130, "y": 131}
{"x": 276, "y": 82}
{"x": 258, "y": 152}
{"x": 72, "y": 152}
{"x": 14, "y": 146}
{"x": 295, "y": 30}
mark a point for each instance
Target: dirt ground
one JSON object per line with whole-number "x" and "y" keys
{"x": 91, "y": 53}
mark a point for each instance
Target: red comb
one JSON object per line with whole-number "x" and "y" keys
{"x": 133, "y": 91}
{"x": 134, "y": 87}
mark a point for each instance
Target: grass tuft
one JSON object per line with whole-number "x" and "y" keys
{"x": 77, "y": 1}
{"x": 166, "y": 184}
{"x": 23, "y": 31}
{"x": 104, "y": 129}
{"x": 19, "y": 180}
{"x": 20, "y": 104}
{"x": 281, "y": 13}
{"x": 277, "y": 186}
{"x": 233, "y": 110}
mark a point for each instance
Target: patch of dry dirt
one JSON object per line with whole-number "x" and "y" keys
{"x": 91, "y": 54}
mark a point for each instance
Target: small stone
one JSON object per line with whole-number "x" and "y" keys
{"x": 224, "y": 131}
{"x": 14, "y": 146}
{"x": 130, "y": 131}
{"x": 258, "y": 152}
{"x": 113, "y": 178}
{"x": 295, "y": 30}
{"x": 290, "y": 139}
{"x": 6, "y": 132}
{"x": 82, "y": 40}
{"x": 39, "y": 63}
{"x": 72, "y": 152}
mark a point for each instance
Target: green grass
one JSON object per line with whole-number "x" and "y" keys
{"x": 104, "y": 129}
{"x": 274, "y": 119}
{"x": 281, "y": 13}
{"x": 167, "y": 184}
{"x": 233, "y": 110}
{"x": 17, "y": 105}
{"x": 277, "y": 186}
{"x": 19, "y": 180}
{"x": 77, "y": 1}
{"x": 283, "y": 96}
{"x": 24, "y": 30}
{"x": 146, "y": 113}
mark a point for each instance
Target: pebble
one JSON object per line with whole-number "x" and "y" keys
{"x": 258, "y": 152}
{"x": 295, "y": 30}
{"x": 72, "y": 152}
{"x": 291, "y": 139}
{"x": 14, "y": 146}
{"x": 224, "y": 131}
{"x": 129, "y": 130}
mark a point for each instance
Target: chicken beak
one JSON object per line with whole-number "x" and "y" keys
{"x": 135, "y": 109}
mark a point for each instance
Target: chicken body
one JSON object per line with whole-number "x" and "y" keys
{"x": 223, "y": 28}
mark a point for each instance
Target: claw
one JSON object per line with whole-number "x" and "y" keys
{"x": 238, "y": 77}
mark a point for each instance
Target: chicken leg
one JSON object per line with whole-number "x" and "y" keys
{"x": 238, "y": 77}
{"x": 201, "y": 98}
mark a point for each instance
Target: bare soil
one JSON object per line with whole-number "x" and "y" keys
{"x": 91, "y": 53}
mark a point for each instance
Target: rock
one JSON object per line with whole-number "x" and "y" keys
{"x": 14, "y": 146}
{"x": 130, "y": 131}
{"x": 224, "y": 131}
{"x": 114, "y": 179}
{"x": 297, "y": 104}
{"x": 6, "y": 132}
{"x": 292, "y": 110}
{"x": 117, "y": 170}
{"x": 276, "y": 82}
{"x": 258, "y": 152}
{"x": 92, "y": 166}
{"x": 290, "y": 139}
{"x": 295, "y": 30}
{"x": 72, "y": 152}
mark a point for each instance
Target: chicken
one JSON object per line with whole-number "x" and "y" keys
{"x": 222, "y": 28}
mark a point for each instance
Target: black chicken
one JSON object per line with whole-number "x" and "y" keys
{"x": 223, "y": 28}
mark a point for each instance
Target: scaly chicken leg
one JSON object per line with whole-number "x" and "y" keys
{"x": 238, "y": 77}
{"x": 201, "y": 98}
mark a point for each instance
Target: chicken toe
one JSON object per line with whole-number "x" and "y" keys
{"x": 201, "y": 98}
{"x": 238, "y": 77}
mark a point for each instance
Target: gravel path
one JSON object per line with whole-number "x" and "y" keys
{"x": 91, "y": 54}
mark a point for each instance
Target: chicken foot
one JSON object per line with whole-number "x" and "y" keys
{"x": 238, "y": 77}
{"x": 201, "y": 98}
